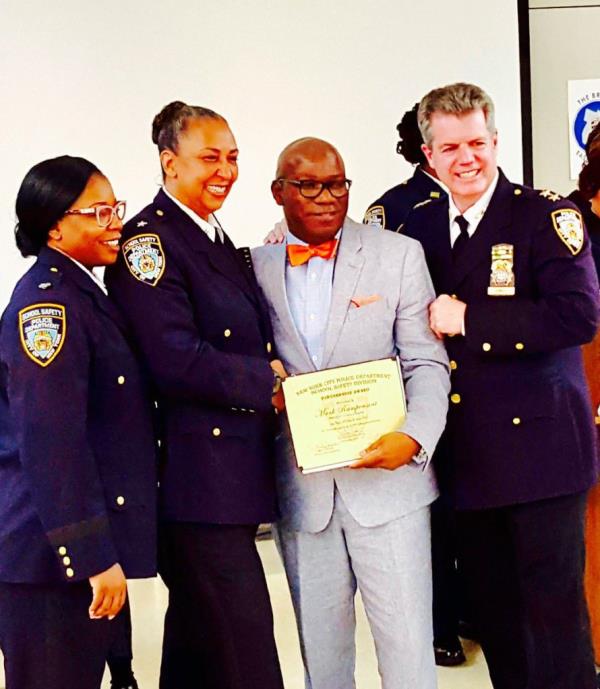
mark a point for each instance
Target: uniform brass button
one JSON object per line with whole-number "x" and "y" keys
{"x": 518, "y": 192}
{"x": 121, "y": 380}
{"x": 227, "y": 332}
{"x": 453, "y": 365}
{"x": 453, "y": 296}
{"x": 216, "y": 432}
{"x": 516, "y": 421}
{"x": 54, "y": 269}
{"x": 62, "y": 550}
{"x": 70, "y": 573}
{"x": 269, "y": 347}
{"x": 66, "y": 561}
{"x": 159, "y": 213}
{"x": 486, "y": 346}
{"x": 519, "y": 346}
{"x": 455, "y": 398}
{"x": 120, "y": 500}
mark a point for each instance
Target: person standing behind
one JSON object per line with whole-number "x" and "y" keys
{"x": 517, "y": 296}
{"x": 203, "y": 329}
{"x": 391, "y": 210}
{"x": 341, "y": 293}
{"x": 77, "y": 451}
{"x": 581, "y": 197}
{"x": 589, "y": 194}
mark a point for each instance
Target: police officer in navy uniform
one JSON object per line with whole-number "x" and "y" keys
{"x": 391, "y": 210}
{"x": 517, "y": 296}
{"x": 203, "y": 329}
{"x": 77, "y": 453}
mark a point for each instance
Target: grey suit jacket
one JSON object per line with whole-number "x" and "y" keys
{"x": 369, "y": 262}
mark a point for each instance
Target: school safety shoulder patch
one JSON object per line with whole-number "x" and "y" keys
{"x": 145, "y": 258}
{"x": 43, "y": 329}
{"x": 375, "y": 215}
{"x": 569, "y": 227}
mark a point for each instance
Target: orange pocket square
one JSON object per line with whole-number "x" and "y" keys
{"x": 363, "y": 301}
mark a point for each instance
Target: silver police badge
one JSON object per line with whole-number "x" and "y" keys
{"x": 145, "y": 258}
{"x": 569, "y": 227}
{"x": 375, "y": 216}
{"x": 502, "y": 277}
{"x": 42, "y": 329}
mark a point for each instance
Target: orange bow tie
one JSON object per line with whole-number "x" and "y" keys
{"x": 301, "y": 253}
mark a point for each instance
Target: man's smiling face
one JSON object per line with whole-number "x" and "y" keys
{"x": 463, "y": 154}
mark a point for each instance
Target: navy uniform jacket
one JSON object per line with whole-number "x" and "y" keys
{"x": 77, "y": 452}
{"x": 391, "y": 210}
{"x": 519, "y": 427}
{"x": 203, "y": 328}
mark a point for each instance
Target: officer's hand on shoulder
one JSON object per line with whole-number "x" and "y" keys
{"x": 277, "y": 234}
{"x": 109, "y": 592}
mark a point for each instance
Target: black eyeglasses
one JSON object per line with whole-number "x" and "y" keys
{"x": 104, "y": 213}
{"x": 311, "y": 188}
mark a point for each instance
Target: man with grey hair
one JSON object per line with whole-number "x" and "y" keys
{"x": 517, "y": 296}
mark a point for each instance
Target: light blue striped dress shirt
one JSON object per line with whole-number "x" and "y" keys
{"x": 308, "y": 290}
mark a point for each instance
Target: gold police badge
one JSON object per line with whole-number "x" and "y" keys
{"x": 145, "y": 258}
{"x": 42, "y": 329}
{"x": 569, "y": 227}
{"x": 375, "y": 216}
{"x": 502, "y": 277}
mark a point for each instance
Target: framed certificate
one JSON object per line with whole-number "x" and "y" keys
{"x": 336, "y": 413}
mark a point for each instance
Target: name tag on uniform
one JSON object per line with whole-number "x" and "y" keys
{"x": 502, "y": 277}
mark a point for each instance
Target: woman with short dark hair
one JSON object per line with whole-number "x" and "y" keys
{"x": 202, "y": 326}
{"x": 77, "y": 470}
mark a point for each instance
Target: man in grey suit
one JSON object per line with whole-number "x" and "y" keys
{"x": 340, "y": 293}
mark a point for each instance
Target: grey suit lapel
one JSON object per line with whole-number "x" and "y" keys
{"x": 348, "y": 266}
{"x": 278, "y": 298}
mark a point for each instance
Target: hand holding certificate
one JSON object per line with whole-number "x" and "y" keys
{"x": 336, "y": 414}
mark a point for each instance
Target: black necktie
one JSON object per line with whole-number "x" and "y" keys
{"x": 461, "y": 241}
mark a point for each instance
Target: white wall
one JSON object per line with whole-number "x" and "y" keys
{"x": 564, "y": 46}
{"x": 86, "y": 79}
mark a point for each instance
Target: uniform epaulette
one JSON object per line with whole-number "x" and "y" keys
{"x": 422, "y": 203}
{"x": 550, "y": 195}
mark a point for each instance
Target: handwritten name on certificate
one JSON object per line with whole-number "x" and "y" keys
{"x": 336, "y": 413}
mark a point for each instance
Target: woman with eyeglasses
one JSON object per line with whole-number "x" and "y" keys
{"x": 77, "y": 467}
{"x": 203, "y": 328}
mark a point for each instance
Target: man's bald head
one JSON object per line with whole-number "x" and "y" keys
{"x": 305, "y": 166}
{"x": 307, "y": 148}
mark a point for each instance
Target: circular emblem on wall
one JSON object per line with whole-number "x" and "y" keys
{"x": 586, "y": 119}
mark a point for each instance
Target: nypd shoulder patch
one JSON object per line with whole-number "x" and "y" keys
{"x": 569, "y": 227}
{"x": 42, "y": 329}
{"x": 145, "y": 258}
{"x": 375, "y": 215}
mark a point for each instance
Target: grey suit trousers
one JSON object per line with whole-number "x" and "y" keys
{"x": 391, "y": 565}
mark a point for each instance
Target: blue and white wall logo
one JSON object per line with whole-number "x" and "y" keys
{"x": 587, "y": 118}
{"x": 584, "y": 114}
